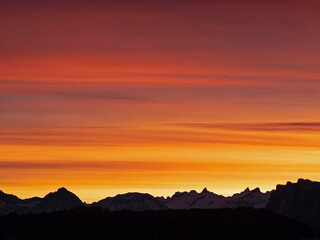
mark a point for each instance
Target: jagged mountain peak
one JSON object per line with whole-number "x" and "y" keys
{"x": 300, "y": 182}
{"x": 181, "y": 194}
{"x": 193, "y": 199}
{"x": 241, "y": 194}
{"x": 247, "y": 192}
{"x": 191, "y": 193}
{"x": 205, "y": 190}
{"x": 306, "y": 181}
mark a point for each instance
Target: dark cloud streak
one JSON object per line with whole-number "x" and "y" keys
{"x": 276, "y": 126}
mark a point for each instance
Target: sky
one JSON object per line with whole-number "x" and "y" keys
{"x": 108, "y": 97}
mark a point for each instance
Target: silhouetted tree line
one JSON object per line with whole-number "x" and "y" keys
{"x": 96, "y": 223}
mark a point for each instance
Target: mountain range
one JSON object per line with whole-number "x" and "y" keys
{"x": 300, "y": 201}
{"x": 63, "y": 199}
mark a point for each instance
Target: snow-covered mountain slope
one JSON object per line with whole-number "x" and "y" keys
{"x": 210, "y": 200}
{"x": 192, "y": 199}
{"x": 254, "y": 198}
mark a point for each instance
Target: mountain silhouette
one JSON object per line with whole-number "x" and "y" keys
{"x": 254, "y": 198}
{"x": 210, "y": 200}
{"x": 10, "y": 203}
{"x": 63, "y": 199}
{"x": 9, "y": 198}
{"x": 192, "y": 199}
{"x": 300, "y": 201}
{"x": 131, "y": 201}
{"x": 57, "y": 201}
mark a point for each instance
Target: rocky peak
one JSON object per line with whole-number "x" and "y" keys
{"x": 62, "y": 190}
{"x": 62, "y": 199}
{"x": 256, "y": 190}
{"x": 300, "y": 201}
{"x": 205, "y": 190}
{"x": 305, "y": 181}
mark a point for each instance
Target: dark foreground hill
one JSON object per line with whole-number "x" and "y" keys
{"x": 96, "y": 223}
{"x": 300, "y": 201}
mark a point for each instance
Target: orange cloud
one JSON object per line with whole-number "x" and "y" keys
{"x": 158, "y": 96}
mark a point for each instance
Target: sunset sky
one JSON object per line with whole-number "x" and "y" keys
{"x": 107, "y": 97}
